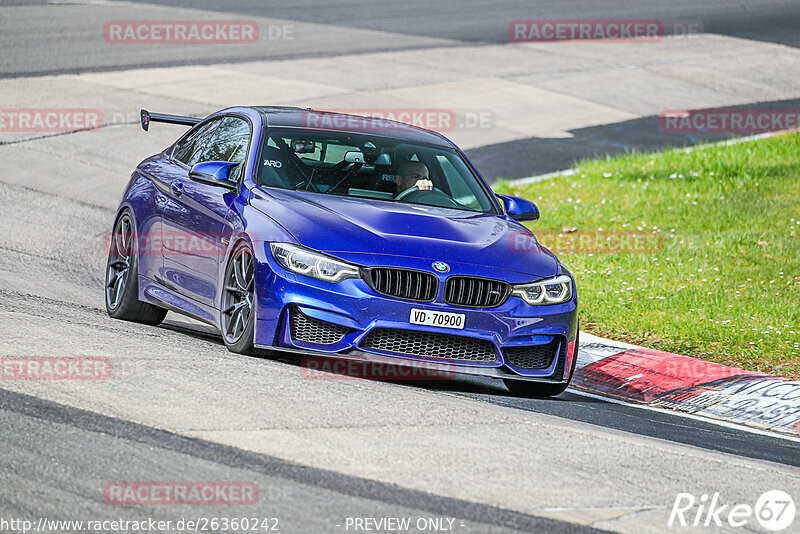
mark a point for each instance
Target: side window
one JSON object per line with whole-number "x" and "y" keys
{"x": 460, "y": 191}
{"x": 229, "y": 142}
{"x": 193, "y": 144}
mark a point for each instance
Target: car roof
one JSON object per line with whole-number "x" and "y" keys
{"x": 308, "y": 118}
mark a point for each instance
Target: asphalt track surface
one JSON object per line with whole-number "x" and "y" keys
{"x": 36, "y": 44}
{"x": 71, "y": 44}
{"x": 468, "y": 22}
{"x": 87, "y": 446}
{"x": 56, "y": 455}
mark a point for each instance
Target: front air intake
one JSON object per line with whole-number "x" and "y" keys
{"x": 310, "y": 330}
{"x": 531, "y": 356}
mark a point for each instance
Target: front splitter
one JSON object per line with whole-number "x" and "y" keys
{"x": 436, "y": 370}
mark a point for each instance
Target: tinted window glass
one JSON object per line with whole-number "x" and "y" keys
{"x": 459, "y": 189}
{"x": 369, "y": 166}
{"x": 229, "y": 141}
{"x": 193, "y": 144}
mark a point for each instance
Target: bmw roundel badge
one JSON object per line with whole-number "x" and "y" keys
{"x": 440, "y": 267}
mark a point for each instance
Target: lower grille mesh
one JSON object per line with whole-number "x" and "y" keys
{"x": 429, "y": 345}
{"x": 531, "y": 356}
{"x": 310, "y": 330}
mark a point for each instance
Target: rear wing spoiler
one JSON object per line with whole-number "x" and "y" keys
{"x": 147, "y": 117}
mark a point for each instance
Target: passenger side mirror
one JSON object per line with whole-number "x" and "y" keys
{"x": 519, "y": 209}
{"x": 214, "y": 173}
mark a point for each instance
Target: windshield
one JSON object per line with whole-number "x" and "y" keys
{"x": 369, "y": 166}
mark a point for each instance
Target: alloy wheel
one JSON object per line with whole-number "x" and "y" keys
{"x": 119, "y": 264}
{"x": 237, "y": 302}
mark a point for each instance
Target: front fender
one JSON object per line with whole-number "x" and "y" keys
{"x": 257, "y": 229}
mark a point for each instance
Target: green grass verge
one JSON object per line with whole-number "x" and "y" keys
{"x": 696, "y": 253}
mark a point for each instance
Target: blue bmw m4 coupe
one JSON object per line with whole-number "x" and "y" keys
{"x": 326, "y": 234}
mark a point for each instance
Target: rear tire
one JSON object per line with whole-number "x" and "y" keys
{"x": 122, "y": 277}
{"x": 237, "y": 306}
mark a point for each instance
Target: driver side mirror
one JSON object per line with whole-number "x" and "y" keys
{"x": 214, "y": 173}
{"x": 519, "y": 209}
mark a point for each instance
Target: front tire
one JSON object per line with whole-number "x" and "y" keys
{"x": 122, "y": 277}
{"x": 237, "y": 311}
{"x": 533, "y": 389}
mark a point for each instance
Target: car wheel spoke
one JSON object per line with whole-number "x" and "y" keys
{"x": 237, "y": 301}
{"x": 119, "y": 262}
{"x": 240, "y": 273}
{"x": 119, "y": 287}
{"x": 111, "y": 278}
{"x": 234, "y": 318}
{"x": 118, "y": 241}
{"x": 238, "y": 326}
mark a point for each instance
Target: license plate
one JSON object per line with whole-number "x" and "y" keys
{"x": 437, "y": 318}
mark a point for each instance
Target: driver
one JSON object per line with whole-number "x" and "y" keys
{"x": 412, "y": 174}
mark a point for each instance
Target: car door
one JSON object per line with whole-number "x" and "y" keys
{"x": 195, "y": 231}
{"x": 170, "y": 169}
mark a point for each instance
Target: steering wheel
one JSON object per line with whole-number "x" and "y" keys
{"x": 437, "y": 197}
{"x": 411, "y": 190}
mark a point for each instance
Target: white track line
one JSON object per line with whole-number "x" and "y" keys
{"x": 706, "y": 418}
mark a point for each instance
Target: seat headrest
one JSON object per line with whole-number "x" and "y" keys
{"x": 275, "y": 169}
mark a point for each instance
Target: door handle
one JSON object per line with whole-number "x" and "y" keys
{"x": 177, "y": 188}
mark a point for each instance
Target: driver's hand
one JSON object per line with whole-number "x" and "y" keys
{"x": 424, "y": 185}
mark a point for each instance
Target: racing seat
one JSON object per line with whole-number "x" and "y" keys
{"x": 277, "y": 170}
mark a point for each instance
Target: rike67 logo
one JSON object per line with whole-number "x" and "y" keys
{"x": 774, "y": 510}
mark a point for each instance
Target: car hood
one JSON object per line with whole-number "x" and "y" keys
{"x": 332, "y": 224}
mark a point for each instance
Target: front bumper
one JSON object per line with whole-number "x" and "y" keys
{"x": 358, "y": 310}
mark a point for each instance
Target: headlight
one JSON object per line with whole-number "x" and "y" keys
{"x": 304, "y": 261}
{"x": 548, "y": 291}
